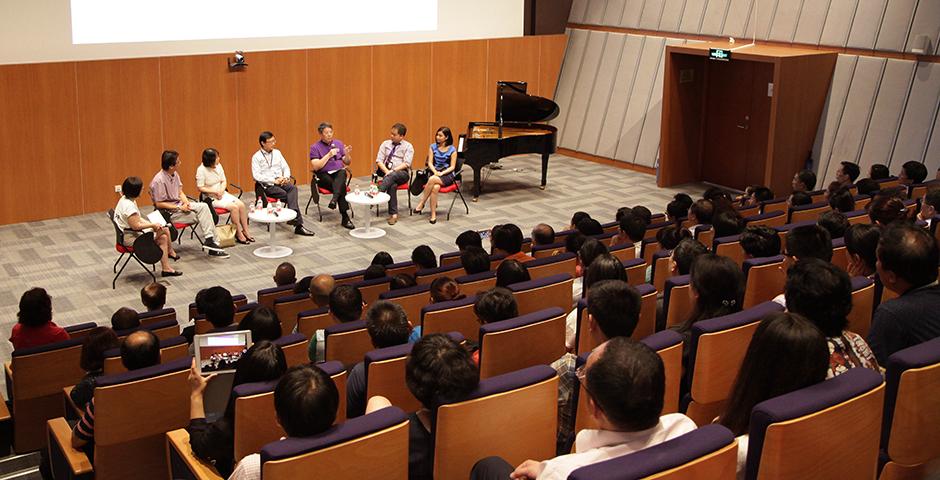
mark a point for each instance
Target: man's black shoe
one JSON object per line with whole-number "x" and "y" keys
{"x": 332, "y": 205}
{"x": 300, "y": 230}
{"x": 292, "y": 223}
{"x": 347, "y": 223}
{"x": 218, "y": 253}
{"x": 210, "y": 246}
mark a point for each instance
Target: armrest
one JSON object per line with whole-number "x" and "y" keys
{"x": 236, "y": 187}
{"x": 61, "y": 452}
{"x": 72, "y": 412}
{"x": 4, "y": 412}
{"x": 8, "y": 371}
{"x": 180, "y": 455}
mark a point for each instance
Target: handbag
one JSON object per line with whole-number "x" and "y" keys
{"x": 418, "y": 183}
{"x": 225, "y": 235}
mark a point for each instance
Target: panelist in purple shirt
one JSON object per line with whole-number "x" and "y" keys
{"x": 328, "y": 159}
{"x": 393, "y": 164}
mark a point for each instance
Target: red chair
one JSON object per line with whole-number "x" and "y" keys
{"x": 219, "y": 211}
{"x": 316, "y": 190}
{"x": 405, "y": 186}
{"x": 144, "y": 250}
{"x": 455, "y": 187}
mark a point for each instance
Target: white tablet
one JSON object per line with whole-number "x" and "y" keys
{"x": 220, "y": 352}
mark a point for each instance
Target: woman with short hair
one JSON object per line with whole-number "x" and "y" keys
{"x": 128, "y": 218}
{"x": 211, "y": 181}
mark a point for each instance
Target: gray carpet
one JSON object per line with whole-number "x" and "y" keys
{"x": 71, "y": 257}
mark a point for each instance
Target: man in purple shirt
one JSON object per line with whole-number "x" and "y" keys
{"x": 328, "y": 159}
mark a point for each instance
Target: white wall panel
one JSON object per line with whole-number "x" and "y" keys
{"x": 933, "y": 149}
{"x": 886, "y": 117}
{"x": 583, "y": 89}
{"x": 736, "y": 21}
{"x": 896, "y": 25}
{"x": 812, "y": 20}
{"x": 595, "y": 12}
{"x": 570, "y": 68}
{"x": 672, "y": 15}
{"x": 640, "y": 100}
{"x": 832, "y": 111}
{"x": 763, "y": 16}
{"x": 600, "y": 98}
{"x": 621, "y": 96}
{"x": 648, "y": 147}
{"x": 714, "y": 19}
{"x": 614, "y": 12}
{"x": 652, "y": 13}
{"x": 918, "y": 115}
{"x": 632, "y": 13}
{"x": 692, "y": 16}
{"x": 578, "y": 8}
{"x": 839, "y": 22}
{"x": 926, "y": 22}
{"x": 866, "y": 24}
{"x": 857, "y": 112}
{"x": 785, "y": 20}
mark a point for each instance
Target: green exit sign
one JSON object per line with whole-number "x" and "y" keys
{"x": 719, "y": 54}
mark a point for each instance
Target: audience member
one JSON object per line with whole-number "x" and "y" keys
{"x": 727, "y": 222}
{"x": 867, "y": 186}
{"x": 930, "y": 207}
{"x": 762, "y": 194}
{"x": 124, "y": 318}
{"x": 807, "y": 241}
{"x": 604, "y": 267}
{"x": 684, "y": 255}
{"x": 841, "y": 200}
{"x": 676, "y": 210}
{"x": 669, "y": 237}
{"x": 495, "y": 305}
{"x": 576, "y": 219}
{"x": 543, "y": 234}
{"x": 804, "y": 181}
{"x": 445, "y": 289}
{"x": 716, "y": 287}
{"x": 305, "y": 400}
{"x": 320, "y": 288}
{"x": 285, "y": 274}
{"x": 760, "y": 241}
{"x": 214, "y": 442}
{"x": 834, "y": 222}
{"x": 382, "y": 258}
{"x": 625, "y": 384}
{"x": 632, "y": 230}
{"x": 153, "y": 296}
{"x": 424, "y": 257}
{"x": 218, "y": 307}
{"x": 263, "y": 324}
{"x": 822, "y": 292}
{"x": 507, "y": 240}
{"x": 912, "y": 172}
{"x": 590, "y": 227}
{"x": 700, "y": 213}
{"x": 345, "y": 306}
{"x": 886, "y": 209}
{"x": 786, "y": 353}
{"x": 140, "y": 349}
{"x": 907, "y": 265}
{"x": 684, "y": 199}
{"x": 861, "y": 243}
{"x": 468, "y": 238}
{"x": 590, "y": 249}
{"x": 374, "y": 272}
{"x": 98, "y": 341}
{"x": 798, "y": 199}
{"x": 303, "y": 285}
{"x": 388, "y": 326}
{"x": 475, "y": 260}
{"x": 574, "y": 242}
{"x": 34, "y": 326}
{"x": 621, "y": 212}
{"x": 847, "y": 173}
{"x": 878, "y": 171}
{"x": 402, "y": 280}
{"x": 642, "y": 213}
{"x": 510, "y": 272}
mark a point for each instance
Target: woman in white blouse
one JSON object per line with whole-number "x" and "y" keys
{"x": 128, "y": 217}
{"x": 211, "y": 181}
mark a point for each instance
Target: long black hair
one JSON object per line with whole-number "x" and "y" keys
{"x": 719, "y": 283}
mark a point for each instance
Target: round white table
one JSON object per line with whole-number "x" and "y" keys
{"x": 271, "y": 250}
{"x": 362, "y": 199}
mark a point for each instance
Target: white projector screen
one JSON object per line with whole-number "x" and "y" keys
{"x": 124, "y": 21}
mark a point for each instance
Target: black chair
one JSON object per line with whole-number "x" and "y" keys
{"x": 405, "y": 186}
{"x": 217, "y": 212}
{"x": 259, "y": 192}
{"x": 144, "y": 250}
{"x": 455, "y": 187}
{"x": 317, "y": 189}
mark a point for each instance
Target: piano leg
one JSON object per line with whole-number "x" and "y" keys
{"x": 544, "y": 169}
{"x": 477, "y": 184}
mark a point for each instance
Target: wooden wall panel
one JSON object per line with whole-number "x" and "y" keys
{"x": 458, "y": 86}
{"x": 551, "y": 54}
{"x": 339, "y": 91}
{"x": 42, "y": 165}
{"x": 401, "y": 89}
{"x": 272, "y": 96}
{"x": 511, "y": 59}
{"x": 199, "y": 111}
{"x": 120, "y": 129}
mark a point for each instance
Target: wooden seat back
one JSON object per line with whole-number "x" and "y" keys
{"x": 524, "y": 341}
{"x": 677, "y": 300}
{"x": 636, "y": 271}
{"x": 173, "y": 350}
{"x": 287, "y": 308}
{"x": 348, "y": 343}
{"x": 559, "y": 264}
{"x": 554, "y": 294}
{"x": 454, "y": 316}
{"x": 267, "y": 296}
{"x": 309, "y": 321}
{"x": 411, "y": 300}
{"x": 764, "y": 281}
{"x": 863, "y": 301}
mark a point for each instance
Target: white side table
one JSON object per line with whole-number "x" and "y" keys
{"x": 271, "y": 250}
{"x": 362, "y": 199}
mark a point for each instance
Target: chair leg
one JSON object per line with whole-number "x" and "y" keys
{"x": 142, "y": 265}
{"x": 114, "y": 282}
{"x": 114, "y": 268}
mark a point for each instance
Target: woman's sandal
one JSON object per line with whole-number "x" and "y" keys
{"x": 174, "y": 257}
{"x": 416, "y": 211}
{"x": 432, "y": 221}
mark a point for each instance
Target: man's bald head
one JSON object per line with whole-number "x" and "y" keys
{"x": 543, "y": 234}
{"x": 320, "y": 288}
{"x": 285, "y": 274}
{"x": 140, "y": 349}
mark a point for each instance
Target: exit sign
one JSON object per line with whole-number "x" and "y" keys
{"x": 719, "y": 54}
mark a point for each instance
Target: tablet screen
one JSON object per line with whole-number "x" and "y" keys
{"x": 220, "y": 352}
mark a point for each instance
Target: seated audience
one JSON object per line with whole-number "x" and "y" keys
{"x": 506, "y": 240}
{"x": 439, "y": 372}
{"x": 445, "y": 289}
{"x": 613, "y": 310}
{"x": 930, "y": 207}
{"x": 643, "y": 213}
{"x": 285, "y": 274}
{"x": 822, "y": 292}
{"x": 34, "y": 326}
{"x": 469, "y": 238}
{"x": 727, "y": 222}
{"x": 847, "y": 173}
{"x": 632, "y": 230}
{"x": 590, "y": 249}
{"x": 762, "y": 194}
{"x": 574, "y": 242}
{"x": 303, "y": 285}
{"x": 861, "y": 243}
{"x": 700, "y": 213}
{"x": 907, "y": 264}
{"x": 98, "y": 341}
{"x": 804, "y": 181}
{"x": 494, "y": 305}
{"x": 625, "y": 384}
{"x": 218, "y": 307}
{"x": 669, "y": 237}
{"x": 214, "y": 442}
{"x": 576, "y": 219}
{"x": 124, "y": 319}
{"x": 382, "y": 258}
{"x": 886, "y": 209}
{"x": 841, "y": 200}
{"x": 803, "y": 242}
{"x": 834, "y": 222}
{"x": 388, "y": 325}
{"x": 867, "y": 186}
{"x": 878, "y": 171}
{"x": 604, "y": 267}
{"x": 912, "y": 172}
{"x": 786, "y": 353}
{"x": 153, "y": 296}
{"x": 374, "y": 272}
{"x": 424, "y": 257}
{"x": 590, "y": 227}
{"x": 684, "y": 255}
{"x": 676, "y": 210}
{"x": 798, "y": 199}
{"x": 475, "y": 260}
{"x": 320, "y": 288}
{"x": 402, "y": 280}
{"x": 140, "y": 349}
{"x": 716, "y": 287}
{"x": 543, "y": 234}
{"x": 684, "y": 199}
{"x": 263, "y": 324}
{"x": 720, "y": 198}
{"x": 345, "y": 306}
{"x": 621, "y": 212}
{"x": 306, "y": 401}
{"x": 760, "y": 241}
{"x": 510, "y": 272}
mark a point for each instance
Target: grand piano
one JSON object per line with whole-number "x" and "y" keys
{"x": 514, "y": 131}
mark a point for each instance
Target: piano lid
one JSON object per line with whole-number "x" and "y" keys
{"x": 513, "y": 104}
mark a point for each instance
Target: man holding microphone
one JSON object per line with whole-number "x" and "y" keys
{"x": 328, "y": 159}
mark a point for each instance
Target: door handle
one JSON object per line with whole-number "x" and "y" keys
{"x": 746, "y": 124}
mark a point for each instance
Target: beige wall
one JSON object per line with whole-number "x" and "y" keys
{"x": 35, "y": 31}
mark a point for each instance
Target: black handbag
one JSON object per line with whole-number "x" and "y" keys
{"x": 418, "y": 183}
